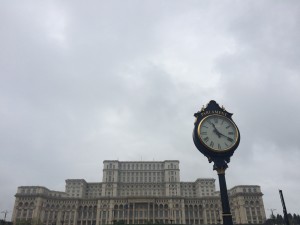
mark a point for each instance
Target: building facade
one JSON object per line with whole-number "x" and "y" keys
{"x": 137, "y": 192}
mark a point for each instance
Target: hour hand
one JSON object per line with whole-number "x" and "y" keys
{"x": 212, "y": 124}
{"x": 216, "y": 130}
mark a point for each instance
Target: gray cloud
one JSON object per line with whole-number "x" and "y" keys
{"x": 83, "y": 83}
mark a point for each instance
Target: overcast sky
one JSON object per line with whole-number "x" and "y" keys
{"x": 82, "y": 82}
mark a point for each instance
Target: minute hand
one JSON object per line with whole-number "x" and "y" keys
{"x": 228, "y": 138}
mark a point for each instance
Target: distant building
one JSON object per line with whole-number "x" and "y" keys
{"x": 137, "y": 192}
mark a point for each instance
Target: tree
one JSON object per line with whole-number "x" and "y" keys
{"x": 279, "y": 220}
{"x": 23, "y": 222}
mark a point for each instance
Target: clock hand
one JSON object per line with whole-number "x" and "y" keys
{"x": 216, "y": 130}
{"x": 219, "y": 133}
{"x": 228, "y": 138}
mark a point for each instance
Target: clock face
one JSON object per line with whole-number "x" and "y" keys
{"x": 217, "y": 133}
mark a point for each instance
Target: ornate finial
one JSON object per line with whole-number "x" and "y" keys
{"x": 223, "y": 108}
{"x": 202, "y": 109}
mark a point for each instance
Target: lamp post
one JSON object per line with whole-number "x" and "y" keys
{"x": 227, "y": 217}
{"x": 216, "y": 136}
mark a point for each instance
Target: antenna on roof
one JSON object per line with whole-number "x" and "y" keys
{"x": 5, "y": 213}
{"x": 272, "y": 213}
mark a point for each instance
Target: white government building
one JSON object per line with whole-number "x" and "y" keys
{"x": 137, "y": 192}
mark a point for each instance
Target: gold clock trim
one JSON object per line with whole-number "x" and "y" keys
{"x": 214, "y": 149}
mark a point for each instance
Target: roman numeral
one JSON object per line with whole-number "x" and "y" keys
{"x": 230, "y": 133}
{"x": 211, "y": 144}
{"x": 206, "y": 139}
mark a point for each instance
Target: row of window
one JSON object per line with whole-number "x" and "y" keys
{"x": 140, "y": 179}
{"x": 130, "y": 174}
{"x": 142, "y": 166}
{"x": 249, "y": 190}
{"x": 245, "y": 190}
{"x": 138, "y": 188}
{"x": 33, "y": 191}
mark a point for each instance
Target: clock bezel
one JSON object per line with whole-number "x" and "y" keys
{"x": 215, "y": 149}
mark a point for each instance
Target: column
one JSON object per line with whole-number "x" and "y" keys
{"x": 110, "y": 211}
{"x": 204, "y": 215}
{"x": 153, "y": 212}
{"x": 182, "y": 214}
{"x": 98, "y": 212}
{"x": 193, "y": 214}
{"x": 198, "y": 214}
{"x": 148, "y": 210}
{"x": 118, "y": 213}
{"x": 128, "y": 212}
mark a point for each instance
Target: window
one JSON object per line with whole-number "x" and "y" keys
{"x": 18, "y": 213}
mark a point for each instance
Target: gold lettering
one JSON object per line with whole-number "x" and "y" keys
{"x": 213, "y": 112}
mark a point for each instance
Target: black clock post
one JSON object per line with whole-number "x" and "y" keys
{"x": 220, "y": 167}
{"x": 216, "y": 136}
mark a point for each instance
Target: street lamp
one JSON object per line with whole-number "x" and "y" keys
{"x": 216, "y": 136}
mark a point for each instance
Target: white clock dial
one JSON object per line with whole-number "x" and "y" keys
{"x": 218, "y": 133}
